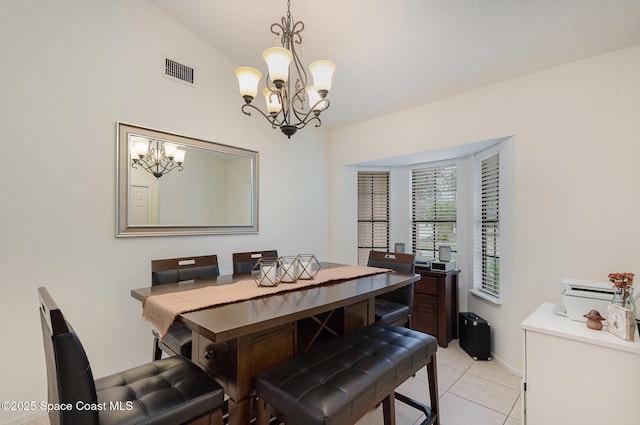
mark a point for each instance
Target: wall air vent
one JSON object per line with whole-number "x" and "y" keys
{"x": 177, "y": 70}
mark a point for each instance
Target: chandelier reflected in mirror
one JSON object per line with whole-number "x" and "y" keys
{"x": 154, "y": 156}
{"x": 291, "y": 104}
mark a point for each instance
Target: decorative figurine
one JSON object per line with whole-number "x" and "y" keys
{"x": 594, "y": 320}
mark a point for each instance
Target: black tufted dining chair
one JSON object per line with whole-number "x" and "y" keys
{"x": 171, "y": 270}
{"x": 394, "y": 307}
{"x": 164, "y": 392}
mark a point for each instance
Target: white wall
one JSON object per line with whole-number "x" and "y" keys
{"x": 71, "y": 69}
{"x": 574, "y": 158}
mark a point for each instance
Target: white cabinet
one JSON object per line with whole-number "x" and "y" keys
{"x": 575, "y": 375}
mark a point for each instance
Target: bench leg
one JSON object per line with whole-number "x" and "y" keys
{"x": 433, "y": 388}
{"x": 389, "y": 409}
{"x": 431, "y": 413}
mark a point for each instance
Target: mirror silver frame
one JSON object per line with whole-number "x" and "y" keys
{"x": 123, "y": 226}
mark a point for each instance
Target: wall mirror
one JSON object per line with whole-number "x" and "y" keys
{"x": 213, "y": 191}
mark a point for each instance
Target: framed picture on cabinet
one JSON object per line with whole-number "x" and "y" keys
{"x": 621, "y": 322}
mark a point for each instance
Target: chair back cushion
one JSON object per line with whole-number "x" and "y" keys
{"x": 243, "y": 262}
{"x": 173, "y": 270}
{"x": 69, "y": 377}
{"x": 399, "y": 262}
{"x": 392, "y": 260}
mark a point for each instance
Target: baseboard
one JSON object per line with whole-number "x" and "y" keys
{"x": 23, "y": 419}
{"x": 512, "y": 370}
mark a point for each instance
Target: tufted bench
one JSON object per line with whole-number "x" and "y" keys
{"x": 338, "y": 382}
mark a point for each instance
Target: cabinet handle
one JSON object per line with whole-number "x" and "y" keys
{"x": 209, "y": 354}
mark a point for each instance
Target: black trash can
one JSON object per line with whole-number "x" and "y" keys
{"x": 474, "y": 336}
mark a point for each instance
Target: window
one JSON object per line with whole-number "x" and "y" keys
{"x": 373, "y": 213}
{"x": 487, "y": 225}
{"x": 434, "y": 210}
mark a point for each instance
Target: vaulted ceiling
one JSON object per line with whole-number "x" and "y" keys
{"x": 396, "y": 54}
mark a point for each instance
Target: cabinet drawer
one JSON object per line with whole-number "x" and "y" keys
{"x": 427, "y": 285}
{"x": 214, "y": 357}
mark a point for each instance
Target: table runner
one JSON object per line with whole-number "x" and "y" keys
{"x": 162, "y": 309}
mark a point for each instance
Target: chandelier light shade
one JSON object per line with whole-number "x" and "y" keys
{"x": 278, "y": 60}
{"x": 291, "y": 100}
{"x": 154, "y": 156}
{"x": 322, "y": 72}
{"x": 248, "y": 79}
{"x": 272, "y": 101}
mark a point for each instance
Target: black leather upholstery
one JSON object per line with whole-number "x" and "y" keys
{"x": 391, "y": 311}
{"x": 337, "y": 382}
{"x": 243, "y": 266}
{"x": 178, "y": 340}
{"x": 243, "y": 262}
{"x": 164, "y": 392}
{"x": 179, "y": 275}
{"x": 395, "y": 306}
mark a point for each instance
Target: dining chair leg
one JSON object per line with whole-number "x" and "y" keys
{"x": 157, "y": 352}
{"x": 432, "y": 375}
{"x": 262, "y": 414}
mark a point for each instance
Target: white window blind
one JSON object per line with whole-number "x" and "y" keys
{"x": 434, "y": 210}
{"x": 373, "y": 213}
{"x": 487, "y": 217}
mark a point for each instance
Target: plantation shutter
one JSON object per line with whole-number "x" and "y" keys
{"x": 373, "y": 213}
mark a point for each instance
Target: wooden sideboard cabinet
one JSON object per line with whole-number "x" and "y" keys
{"x": 435, "y": 305}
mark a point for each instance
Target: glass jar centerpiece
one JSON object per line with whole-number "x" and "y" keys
{"x": 623, "y": 294}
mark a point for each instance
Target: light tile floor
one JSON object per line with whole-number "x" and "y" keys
{"x": 471, "y": 393}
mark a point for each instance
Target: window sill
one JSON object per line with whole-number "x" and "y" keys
{"x": 485, "y": 296}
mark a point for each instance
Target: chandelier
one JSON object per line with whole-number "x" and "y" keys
{"x": 156, "y": 157}
{"x": 287, "y": 93}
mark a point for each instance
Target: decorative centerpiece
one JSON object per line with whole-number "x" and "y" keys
{"x": 265, "y": 272}
{"x": 309, "y": 266}
{"x": 289, "y": 268}
{"x": 623, "y": 295}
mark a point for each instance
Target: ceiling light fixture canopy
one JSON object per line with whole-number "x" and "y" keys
{"x": 155, "y": 156}
{"x": 287, "y": 94}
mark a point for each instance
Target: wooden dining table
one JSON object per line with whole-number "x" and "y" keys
{"x": 237, "y": 341}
